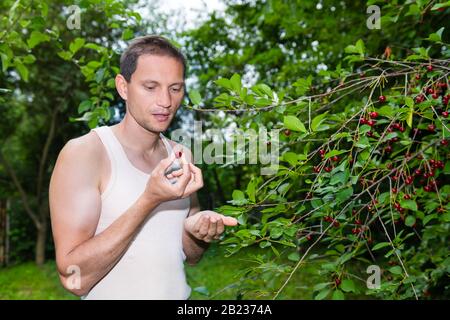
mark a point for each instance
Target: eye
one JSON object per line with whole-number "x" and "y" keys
{"x": 175, "y": 89}
{"x": 150, "y": 88}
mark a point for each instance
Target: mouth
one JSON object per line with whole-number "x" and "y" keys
{"x": 161, "y": 117}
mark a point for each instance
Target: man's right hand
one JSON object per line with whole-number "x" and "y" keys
{"x": 160, "y": 189}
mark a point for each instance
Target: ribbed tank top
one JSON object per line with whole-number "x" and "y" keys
{"x": 153, "y": 265}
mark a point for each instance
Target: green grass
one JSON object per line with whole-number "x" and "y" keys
{"x": 30, "y": 282}
{"x": 216, "y": 274}
{"x": 217, "y": 277}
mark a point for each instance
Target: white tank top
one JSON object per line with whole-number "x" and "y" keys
{"x": 153, "y": 265}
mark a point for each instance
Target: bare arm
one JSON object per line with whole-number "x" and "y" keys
{"x": 193, "y": 247}
{"x": 75, "y": 206}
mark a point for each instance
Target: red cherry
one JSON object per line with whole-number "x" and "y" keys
{"x": 430, "y": 90}
{"x": 371, "y": 123}
{"x": 417, "y": 76}
{"x": 435, "y": 96}
{"x": 394, "y": 190}
{"x": 287, "y": 132}
{"x": 373, "y": 114}
{"x": 429, "y": 68}
{"x": 335, "y": 158}
{"x": 358, "y": 222}
{"x": 444, "y": 142}
{"x": 418, "y": 172}
{"x": 369, "y": 134}
{"x": 388, "y": 149}
{"x": 409, "y": 180}
{"x": 431, "y": 127}
{"x": 337, "y": 281}
{"x": 327, "y": 169}
{"x": 336, "y": 224}
{"x": 382, "y": 99}
{"x": 362, "y": 121}
{"x": 308, "y": 237}
{"x": 420, "y": 98}
{"x": 322, "y": 151}
{"x": 445, "y": 114}
{"x": 407, "y": 197}
{"x": 316, "y": 169}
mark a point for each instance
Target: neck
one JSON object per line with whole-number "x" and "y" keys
{"x": 135, "y": 137}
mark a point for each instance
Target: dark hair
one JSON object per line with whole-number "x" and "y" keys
{"x": 150, "y": 44}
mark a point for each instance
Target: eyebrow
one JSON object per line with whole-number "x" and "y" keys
{"x": 148, "y": 81}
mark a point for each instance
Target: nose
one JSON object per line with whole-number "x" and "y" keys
{"x": 163, "y": 99}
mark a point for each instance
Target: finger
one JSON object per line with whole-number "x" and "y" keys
{"x": 196, "y": 182}
{"x": 212, "y": 230}
{"x": 185, "y": 177}
{"x": 176, "y": 173}
{"x": 164, "y": 164}
{"x": 229, "y": 221}
{"x": 198, "y": 176}
{"x": 204, "y": 226}
{"x": 220, "y": 228}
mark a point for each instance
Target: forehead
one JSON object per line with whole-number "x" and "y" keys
{"x": 160, "y": 68}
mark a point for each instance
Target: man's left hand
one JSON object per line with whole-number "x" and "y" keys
{"x": 208, "y": 225}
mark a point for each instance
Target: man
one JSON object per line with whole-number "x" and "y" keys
{"x": 122, "y": 224}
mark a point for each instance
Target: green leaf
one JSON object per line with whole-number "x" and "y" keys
{"x": 23, "y": 71}
{"x": 410, "y": 221}
{"x": 295, "y": 256}
{"x": 251, "y": 190}
{"x": 224, "y": 83}
{"x": 35, "y": 38}
{"x": 338, "y": 295}
{"x": 302, "y": 85}
{"x": 348, "y": 285}
{"x": 202, "y": 290}
{"x": 235, "y": 81}
{"x": 333, "y": 153}
{"x": 84, "y": 106}
{"x": 321, "y": 286}
{"x": 410, "y": 103}
{"x": 263, "y": 90}
{"x": 344, "y": 195}
{"x": 409, "y": 204}
{"x": 436, "y": 36}
{"x": 66, "y": 55}
{"x": 76, "y": 45}
{"x": 265, "y": 244}
{"x": 380, "y": 245}
{"x": 238, "y": 195}
{"x": 395, "y": 270}
{"x": 195, "y": 97}
{"x": 294, "y": 123}
{"x": 317, "y": 121}
{"x": 127, "y": 34}
{"x": 29, "y": 59}
{"x": 322, "y": 294}
{"x": 441, "y": 5}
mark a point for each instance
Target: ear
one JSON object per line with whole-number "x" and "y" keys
{"x": 122, "y": 86}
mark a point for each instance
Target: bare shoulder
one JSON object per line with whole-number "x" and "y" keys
{"x": 83, "y": 153}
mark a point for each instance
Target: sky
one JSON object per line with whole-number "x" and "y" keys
{"x": 190, "y": 8}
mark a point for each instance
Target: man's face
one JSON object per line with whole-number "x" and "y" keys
{"x": 155, "y": 91}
